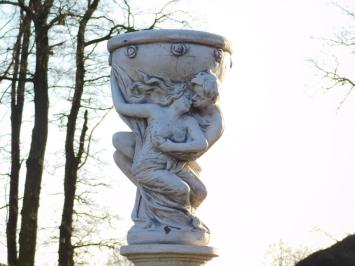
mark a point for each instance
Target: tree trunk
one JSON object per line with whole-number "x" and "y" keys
{"x": 17, "y": 102}
{"x": 72, "y": 161}
{"x": 15, "y": 159}
{"x": 34, "y": 163}
{"x": 66, "y": 249}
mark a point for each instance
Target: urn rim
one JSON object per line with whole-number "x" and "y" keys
{"x": 169, "y": 36}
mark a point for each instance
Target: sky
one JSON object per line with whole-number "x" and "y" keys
{"x": 283, "y": 170}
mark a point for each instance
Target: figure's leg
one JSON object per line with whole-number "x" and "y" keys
{"x": 175, "y": 191}
{"x": 166, "y": 199}
{"x": 124, "y": 142}
{"x": 198, "y": 189}
{"x": 124, "y": 163}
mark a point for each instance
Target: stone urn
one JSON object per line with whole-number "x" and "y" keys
{"x": 165, "y": 86}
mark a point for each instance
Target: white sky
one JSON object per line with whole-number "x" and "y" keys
{"x": 284, "y": 165}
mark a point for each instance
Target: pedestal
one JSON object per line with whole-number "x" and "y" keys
{"x": 168, "y": 254}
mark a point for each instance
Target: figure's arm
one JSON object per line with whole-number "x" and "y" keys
{"x": 215, "y": 128}
{"x": 212, "y": 132}
{"x": 129, "y": 109}
{"x": 197, "y": 143}
{"x": 124, "y": 142}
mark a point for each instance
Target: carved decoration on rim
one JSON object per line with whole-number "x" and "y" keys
{"x": 218, "y": 54}
{"x": 178, "y": 49}
{"x": 131, "y": 51}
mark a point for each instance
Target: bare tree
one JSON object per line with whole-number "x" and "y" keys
{"x": 117, "y": 260}
{"x": 338, "y": 74}
{"x": 282, "y": 255}
{"x": 72, "y": 162}
{"x": 93, "y": 24}
{"x": 83, "y": 58}
{"x": 39, "y": 13}
{"x": 17, "y": 102}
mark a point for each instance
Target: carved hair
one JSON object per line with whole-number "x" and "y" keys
{"x": 164, "y": 90}
{"x": 208, "y": 82}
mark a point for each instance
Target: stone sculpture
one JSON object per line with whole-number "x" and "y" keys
{"x": 165, "y": 86}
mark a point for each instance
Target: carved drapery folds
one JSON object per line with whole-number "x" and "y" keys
{"x": 165, "y": 86}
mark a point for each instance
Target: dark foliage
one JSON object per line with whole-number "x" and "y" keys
{"x": 340, "y": 254}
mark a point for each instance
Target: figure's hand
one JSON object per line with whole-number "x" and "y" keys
{"x": 163, "y": 144}
{"x": 158, "y": 141}
{"x": 166, "y": 146}
{"x": 170, "y": 147}
{"x": 186, "y": 156}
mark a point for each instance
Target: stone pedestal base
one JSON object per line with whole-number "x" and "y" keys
{"x": 168, "y": 254}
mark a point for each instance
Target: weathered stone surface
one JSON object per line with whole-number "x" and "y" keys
{"x": 165, "y": 86}
{"x": 168, "y": 255}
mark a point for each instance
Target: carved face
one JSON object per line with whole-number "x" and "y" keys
{"x": 183, "y": 103}
{"x": 205, "y": 89}
{"x": 199, "y": 99}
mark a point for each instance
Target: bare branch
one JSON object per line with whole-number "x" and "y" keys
{"x": 91, "y": 215}
{"x": 87, "y": 56}
{"x": 345, "y": 97}
{"x": 130, "y": 17}
{"x": 6, "y": 23}
{"x": 6, "y": 174}
{"x": 333, "y": 75}
{"x": 82, "y": 136}
{"x": 114, "y": 30}
{"x": 345, "y": 10}
{"x": 19, "y": 3}
{"x": 162, "y": 15}
{"x": 339, "y": 41}
{"x": 109, "y": 243}
{"x": 96, "y": 79}
{"x": 96, "y": 108}
{"x": 319, "y": 230}
{"x": 60, "y": 20}
{"x": 14, "y": 79}
{"x": 4, "y": 92}
{"x": 90, "y": 137}
{"x": 4, "y": 207}
{"x": 56, "y": 45}
{"x": 6, "y": 72}
{"x": 337, "y": 80}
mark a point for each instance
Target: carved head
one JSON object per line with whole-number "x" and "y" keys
{"x": 205, "y": 88}
{"x": 182, "y": 101}
{"x": 159, "y": 90}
